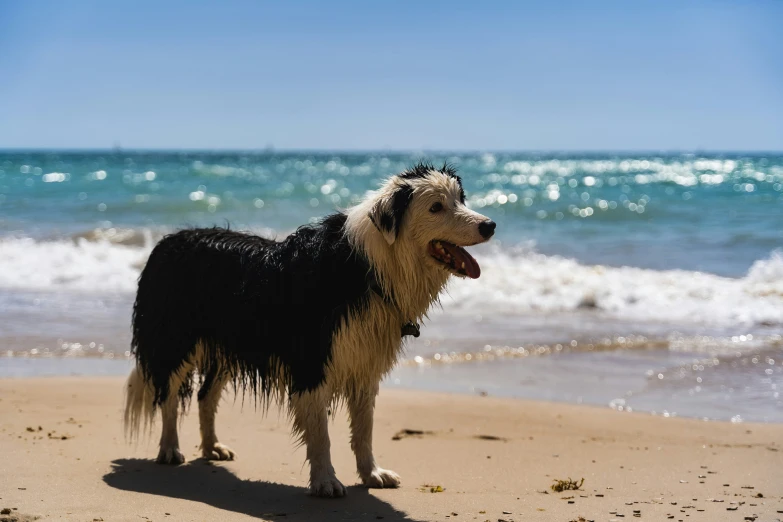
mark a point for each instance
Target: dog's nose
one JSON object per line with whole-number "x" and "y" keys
{"x": 487, "y": 228}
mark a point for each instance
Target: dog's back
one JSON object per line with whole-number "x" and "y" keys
{"x": 187, "y": 291}
{"x": 253, "y": 307}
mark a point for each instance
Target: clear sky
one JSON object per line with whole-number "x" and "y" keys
{"x": 554, "y": 75}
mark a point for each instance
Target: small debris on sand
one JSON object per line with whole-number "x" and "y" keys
{"x": 411, "y": 433}
{"x": 490, "y": 437}
{"x": 6, "y": 515}
{"x": 566, "y": 485}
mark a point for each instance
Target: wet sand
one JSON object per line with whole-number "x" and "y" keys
{"x": 63, "y": 456}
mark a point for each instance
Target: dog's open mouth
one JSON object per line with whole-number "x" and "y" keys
{"x": 454, "y": 258}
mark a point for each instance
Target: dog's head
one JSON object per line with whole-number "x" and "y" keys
{"x": 424, "y": 209}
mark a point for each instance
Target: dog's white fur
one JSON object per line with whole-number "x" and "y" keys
{"x": 365, "y": 347}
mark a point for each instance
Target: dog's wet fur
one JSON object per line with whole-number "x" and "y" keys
{"x": 307, "y": 322}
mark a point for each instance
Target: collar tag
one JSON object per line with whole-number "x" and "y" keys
{"x": 410, "y": 329}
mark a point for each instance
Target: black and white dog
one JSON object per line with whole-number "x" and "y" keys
{"x": 308, "y": 321}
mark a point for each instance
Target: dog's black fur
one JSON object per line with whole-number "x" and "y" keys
{"x": 257, "y": 306}
{"x": 422, "y": 170}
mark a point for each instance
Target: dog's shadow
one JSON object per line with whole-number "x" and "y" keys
{"x": 218, "y": 487}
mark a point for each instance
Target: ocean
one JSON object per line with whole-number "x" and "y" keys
{"x": 641, "y": 282}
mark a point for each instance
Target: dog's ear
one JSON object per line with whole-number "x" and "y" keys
{"x": 388, "y": 212}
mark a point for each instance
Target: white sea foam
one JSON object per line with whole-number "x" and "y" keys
{"x": 766, "y": 275}
{"x": 70, "y": 264}
{"x": 512, "y": 282}
{"x": 525, "y": 282}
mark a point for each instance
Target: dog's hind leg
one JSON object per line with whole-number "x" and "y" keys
{"x": 310, "y": 421}
{"x": 208, "y": 399}
{"x": 361, "y": 406}
{"x": 169, "y": 440}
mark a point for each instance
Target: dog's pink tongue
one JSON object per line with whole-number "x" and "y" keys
{"x": 461, "y": 256}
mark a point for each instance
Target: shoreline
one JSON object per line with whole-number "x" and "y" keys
{"x": 493, "y": 457}
{"x": 641, "y": 378}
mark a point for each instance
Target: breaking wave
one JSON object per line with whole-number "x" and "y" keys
{"x": 513, "y": 282}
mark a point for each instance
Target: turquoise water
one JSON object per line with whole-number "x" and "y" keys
{"x": 682, "y": 251}
{"x": 715, "y": 213}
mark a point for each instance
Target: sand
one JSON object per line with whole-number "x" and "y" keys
{"x": 63, "y": 456}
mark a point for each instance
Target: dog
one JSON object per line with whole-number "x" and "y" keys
{"x": 310, "y": 321}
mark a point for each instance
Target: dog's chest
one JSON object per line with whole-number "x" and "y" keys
{"x": 367, "y": 346}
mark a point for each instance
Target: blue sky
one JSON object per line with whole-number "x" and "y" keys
{"x": 581, "y": 75}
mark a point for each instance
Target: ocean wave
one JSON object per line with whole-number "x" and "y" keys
{"x": 516, "y": 281}
{"x": 526, "y": 281}
{"x": 81, "y": 263}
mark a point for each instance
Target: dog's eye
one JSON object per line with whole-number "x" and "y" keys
{"x": 436, "y": 207}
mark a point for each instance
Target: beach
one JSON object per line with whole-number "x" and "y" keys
{"x": 63, "y": 456}
{"x": 627, "y": 330}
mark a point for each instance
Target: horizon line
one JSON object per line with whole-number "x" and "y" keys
{"x": 295, "y": 150}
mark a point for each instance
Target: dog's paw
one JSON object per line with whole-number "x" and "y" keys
{"x": 327, "y": 486}
{"x": 218, "y": 451}
{"x": 170, "y": 456}
{"x": 381, "y": 478}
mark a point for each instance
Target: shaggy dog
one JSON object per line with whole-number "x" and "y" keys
{"x": 309, "y": 321}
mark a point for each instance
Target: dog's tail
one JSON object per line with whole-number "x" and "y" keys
{"x": 139, "y": 403}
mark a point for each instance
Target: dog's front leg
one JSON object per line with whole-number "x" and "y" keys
{"x": 310, "y": 421}
{"x": 361, "y": 406}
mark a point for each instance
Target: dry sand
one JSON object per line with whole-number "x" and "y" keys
{"x": 494, "y": 459}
